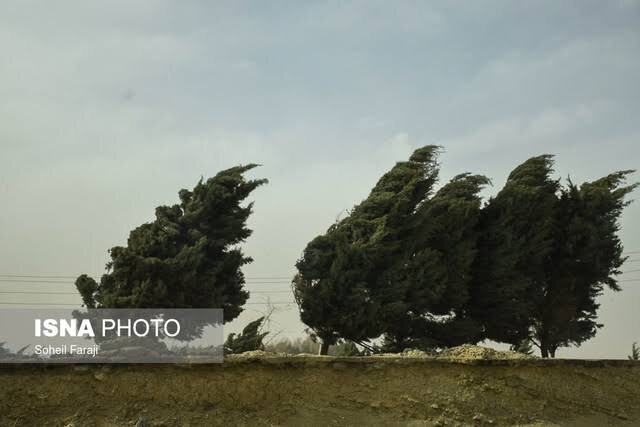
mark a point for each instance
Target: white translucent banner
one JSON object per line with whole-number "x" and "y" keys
{"x": 111, "y": 336}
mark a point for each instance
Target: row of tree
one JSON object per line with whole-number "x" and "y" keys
{"x": 427, "y": 268}
{"x": 422, "y": 267}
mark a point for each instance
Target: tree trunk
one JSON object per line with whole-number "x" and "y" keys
{"x": 324, "y": 348}
{"x": 544, "y": 348}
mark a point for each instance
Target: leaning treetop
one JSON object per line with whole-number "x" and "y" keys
{"x": 187, "y": 257}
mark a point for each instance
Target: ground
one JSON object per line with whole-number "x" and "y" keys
{"x": 467, "y": 386}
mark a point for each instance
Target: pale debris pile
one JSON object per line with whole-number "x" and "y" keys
{"x": 475, "y": 352}
{"x": 463, "y": 352}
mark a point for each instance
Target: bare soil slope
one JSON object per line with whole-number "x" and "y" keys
{"x": 465, "y": 387}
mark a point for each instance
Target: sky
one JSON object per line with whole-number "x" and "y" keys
{"x": 107, "y": 109}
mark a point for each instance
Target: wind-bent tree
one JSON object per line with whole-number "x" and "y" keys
{"x": 188, "y": 257}
{"x": 250, "y": 339}
{"x": 546, "y": 252}
{"x": 586, "y": 257}
{"x": 429, "y": 285}
{"x": 435, "y": 270}
{"x": 514, "y": 247}
{"x": 635, "y": 352}
{"x": 342, "y": 285}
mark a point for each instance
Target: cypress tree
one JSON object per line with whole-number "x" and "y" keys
{"x": 188, "y": 257}
{"x": 432, "y": 274}
{"x": 586, "y": 257}
{"x": 516, "y": 235}
{"x": 342, "y": 285}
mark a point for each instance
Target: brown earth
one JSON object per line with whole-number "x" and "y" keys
{"x": 467, "y": 386}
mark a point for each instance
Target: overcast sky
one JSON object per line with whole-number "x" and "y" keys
{"x": 107, "y": 109}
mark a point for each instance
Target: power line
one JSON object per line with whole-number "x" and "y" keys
{"x": 53, "y": 282}
{"x": 42, "y": 276}
{"x": 272, "y": 303}
{"x": 60, "y": 282}
{"x": 249, "y": 279}
{"x": 39, "y": 293}
{"x": 79, "y": 305}
{"x": 270, "y": 292}
{"x": 263, "y": 280}
{"x": 15, "y": 278}
{"x": 40, "y": 303}
{"x": 35, "y": 281}
{"x": 39, "y": 276}
{"x": 50, "y": 282}
{"x": 76, "y": 293}
{"x": 274, "y": 282}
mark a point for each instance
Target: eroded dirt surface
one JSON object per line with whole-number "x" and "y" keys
{"x": 276, "y": 390}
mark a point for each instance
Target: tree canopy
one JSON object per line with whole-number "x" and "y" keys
{"x": 516, "y": 231}
{"x": 188, "y": 257}
{"x": 586, "y": 257}
{"x": 427, "y": 268}
{"x": 341, "y": 286}
{"x": 431, "y": 274}
{"x": 398, "y": 264}
{"x": 546, "y": 252}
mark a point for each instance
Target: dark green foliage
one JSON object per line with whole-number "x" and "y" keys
{"x": 249, "y": 340}
{"x": 399, "y": 264}
{"x": 430, "y": 270}
{"x": 635, "y": 352}
{"x": 430, "y": 279}
{"x": 515, "y": 242}
{"x": 341, "y": 287}
{"x": 187, "y": 257}
{"x": 546, "y": 252}
{"x": 331, "y": 292}
{"x": 88, "y": 288}
{"x": 586, "y": 257}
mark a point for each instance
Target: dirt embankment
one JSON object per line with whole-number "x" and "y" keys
{"x": 392, "y": 390}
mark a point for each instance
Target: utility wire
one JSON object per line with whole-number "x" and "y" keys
{"x": 76, "y": 293}
{"x": 42, "y": 276}
{"x": 54, "y": 282}
{"x": 249, "y": 279}
{"x": 79, "y": 305}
